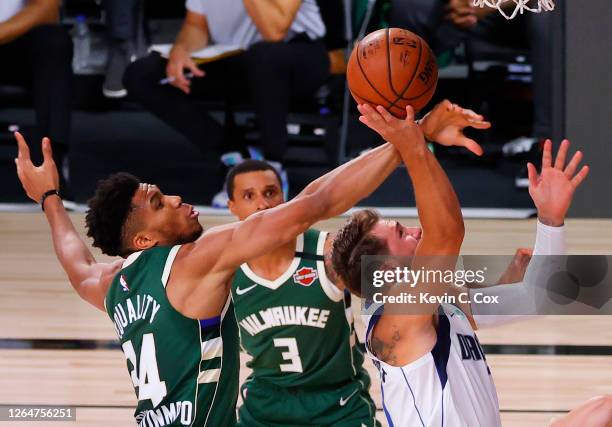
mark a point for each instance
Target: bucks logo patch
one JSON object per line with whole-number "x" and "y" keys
{"x": 305, "y": 276}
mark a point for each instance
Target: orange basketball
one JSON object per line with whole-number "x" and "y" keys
{"x": 393, "y": 68}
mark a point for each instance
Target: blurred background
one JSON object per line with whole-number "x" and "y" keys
{"x": 536, "y": 76}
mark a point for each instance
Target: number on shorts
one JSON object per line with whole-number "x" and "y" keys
{"x": 292, "y": 355}
{"x": 147, "y": 378}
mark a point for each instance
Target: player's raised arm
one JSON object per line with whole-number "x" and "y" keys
{"x": 346, "y": 185}
{"x": 444, "y": 124}
{"x": 437, "y": 203}
{"x": 222, "y": 249}
{"x": 411, "y": 336}
{"x": 342, "y": 189}
{"x": 89, "y": 278}
{"x": 552, "y": 191}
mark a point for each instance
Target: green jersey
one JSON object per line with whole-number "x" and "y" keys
{"x": 298, "y": 328}
{"x": 184, "y": 371}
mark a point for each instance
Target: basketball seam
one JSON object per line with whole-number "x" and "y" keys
{"x": 413, "y": 76}
{"x": 365, "y": 76}
{"x": 424, "y": 93}
{"x": 389, "y": 77}
{"x": 372, "y": 102}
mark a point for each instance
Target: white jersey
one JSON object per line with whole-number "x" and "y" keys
{"x": 451, "y": 386}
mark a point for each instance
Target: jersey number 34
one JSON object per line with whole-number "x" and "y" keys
{"x": 147, "y": 377}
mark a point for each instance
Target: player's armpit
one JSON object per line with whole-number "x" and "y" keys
{"x": 399, "y": 339}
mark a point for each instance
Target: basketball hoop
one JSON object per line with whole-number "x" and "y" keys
{"x": 520, "y": 6}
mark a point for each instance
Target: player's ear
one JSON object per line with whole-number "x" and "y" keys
{"x": 231, "y": 205}
{"x": 143, "y": 240}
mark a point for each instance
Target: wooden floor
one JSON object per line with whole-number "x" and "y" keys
{"x": 37, "y": 303}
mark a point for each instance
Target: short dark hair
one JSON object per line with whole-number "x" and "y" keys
{"x": 108, "y": 213}
{"x": 245, "y": 167}
{"x": 352, "y": 242}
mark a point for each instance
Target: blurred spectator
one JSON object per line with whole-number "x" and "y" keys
{"x": 37, "y": 52}
{"x": 285, "y": 55}
{"x": 124, "y": 30}
{"x": 446, "y": 23}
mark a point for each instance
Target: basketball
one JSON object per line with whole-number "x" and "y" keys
{"x": 392, "y": 67}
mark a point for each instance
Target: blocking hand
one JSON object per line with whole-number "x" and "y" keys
{"x": 36, "y": 180}
{"x": 446, "y": 122}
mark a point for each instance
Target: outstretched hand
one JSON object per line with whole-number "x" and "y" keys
{"x": 399, "y": 132}
{"x": 553, "y": 189}
{"x": 36, "y": 180}
{"x": 446, "y": 122}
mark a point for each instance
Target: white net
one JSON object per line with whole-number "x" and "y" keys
{"x": 520, "y": 6}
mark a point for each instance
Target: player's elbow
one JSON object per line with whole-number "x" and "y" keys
{"x": 451, "y": 235}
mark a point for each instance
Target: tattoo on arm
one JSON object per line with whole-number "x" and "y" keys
{"x": 385, "y": 350}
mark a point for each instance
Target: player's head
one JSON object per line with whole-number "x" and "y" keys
{"x": 252, "y": 186}
{"x": 366, "y": 233}
{"x": 126, "y": 216}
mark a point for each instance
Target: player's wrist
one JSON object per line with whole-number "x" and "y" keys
{"x": 551, "y": 221}
{"x": 47, "y": 196}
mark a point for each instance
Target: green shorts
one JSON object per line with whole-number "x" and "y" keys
{"x": 266, "y": 405}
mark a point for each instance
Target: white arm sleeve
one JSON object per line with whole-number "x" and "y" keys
{"x": 549, "y": 241}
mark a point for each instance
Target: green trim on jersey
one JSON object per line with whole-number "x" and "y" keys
{"x": 184, "y": 371}
{"x": 299, "y": 331}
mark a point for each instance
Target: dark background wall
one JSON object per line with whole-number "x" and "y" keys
{"x": 588, "y": 99}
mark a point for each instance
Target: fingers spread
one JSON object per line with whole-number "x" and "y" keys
{"x": 547, "y": 154}
{"x": 580, "y": 176}
{"x": 471, "y": 145}
{"x": 367, "y": 110}
{"x": 409, "y": 113}
{"x": 562, "y": 155}
{"x": 473, "y": 114}
{"x": 479, "y": 124}
{"x": 364, "y": 120}
{"x": 533, "y": 175}
{"x": 573, "y": 165}
{"x": 46, "y": 149}
{"x": 387, "y": 117}
{"x": 22, "y": 146}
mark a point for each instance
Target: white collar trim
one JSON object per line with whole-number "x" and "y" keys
{"x": 275, "y": 284}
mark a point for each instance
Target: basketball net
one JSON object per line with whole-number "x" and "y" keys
{"x": 520, "y": 6}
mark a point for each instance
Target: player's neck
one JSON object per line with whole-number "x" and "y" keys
{"x": 274, "y": 263}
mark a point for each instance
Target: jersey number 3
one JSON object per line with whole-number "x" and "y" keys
{"x": 147, "y": 377}
{"x": 292, "y": 355}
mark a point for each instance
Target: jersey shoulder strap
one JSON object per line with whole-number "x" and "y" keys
{"x": 311, "y": 243}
